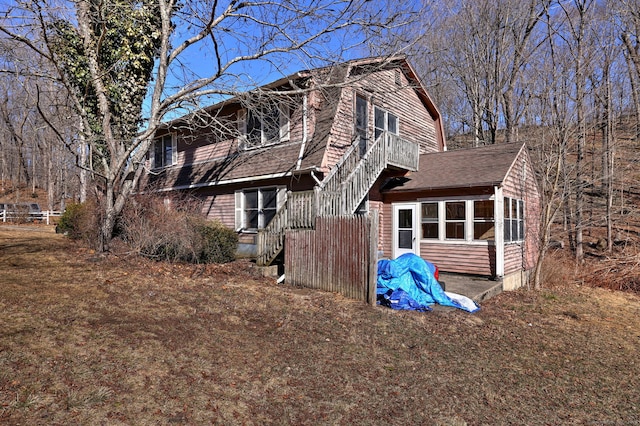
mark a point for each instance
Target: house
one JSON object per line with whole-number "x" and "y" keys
{"x": 359, "y": 137}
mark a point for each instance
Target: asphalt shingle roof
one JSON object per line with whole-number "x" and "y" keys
{"x": 465, "y": 168}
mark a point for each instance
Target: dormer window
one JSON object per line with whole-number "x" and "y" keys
{"x": 266, "y": 124}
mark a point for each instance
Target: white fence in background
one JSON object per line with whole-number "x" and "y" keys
{"x": 41, "y": 217}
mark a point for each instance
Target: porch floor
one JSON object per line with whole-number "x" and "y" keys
{"x": 475, "y": 287}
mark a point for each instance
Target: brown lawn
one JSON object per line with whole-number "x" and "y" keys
{"x": 118, "y": 340}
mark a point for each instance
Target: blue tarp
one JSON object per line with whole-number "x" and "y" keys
{"x": 408, "y": 283}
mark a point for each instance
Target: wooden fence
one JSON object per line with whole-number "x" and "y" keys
{"x": 44, "y": 216}
{"x": 339, "y": 255}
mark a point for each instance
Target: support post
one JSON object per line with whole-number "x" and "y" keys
{"x": 499, "y": 230}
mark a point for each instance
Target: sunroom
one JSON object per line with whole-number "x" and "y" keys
{"x": 471, "y": 211}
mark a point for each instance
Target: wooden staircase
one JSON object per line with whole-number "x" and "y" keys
{"x": 340, "y": 193}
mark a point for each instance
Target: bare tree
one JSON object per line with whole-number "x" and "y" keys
{"x": 483, "y": 48}
{"x": 627, "y": 17}
{"x": 577, "y": 17}
{"x": 130, "y": 65}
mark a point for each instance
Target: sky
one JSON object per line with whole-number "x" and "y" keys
{"x": 241, "y": 35}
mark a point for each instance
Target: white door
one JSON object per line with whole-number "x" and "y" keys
{"x": 405, "y": 229}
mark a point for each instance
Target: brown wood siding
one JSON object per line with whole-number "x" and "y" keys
{"x": 314, "y": 102}
{"x": 221, "y": 208}
{"x": 520, "y": 184}
{"x": 386, "y": 230}
{"x": 338, "y": 256}
{"x": 513, "y": 257}
{"x": 415, "y": 123}
{"x": 341, "y": 130}
{"x": 461, "y": 258}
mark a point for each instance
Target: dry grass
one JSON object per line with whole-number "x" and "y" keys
{"x": 92, "y": 340}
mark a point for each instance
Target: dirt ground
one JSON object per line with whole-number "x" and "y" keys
{"x": 92, "y": 340}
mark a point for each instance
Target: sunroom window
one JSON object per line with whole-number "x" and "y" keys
{"x": 513, "y": 220}
{"x": 483, "y": 220}
{"x": 467, "y": 220}
{"x": 455, "y": 220}
{"x": 430, "y": 221}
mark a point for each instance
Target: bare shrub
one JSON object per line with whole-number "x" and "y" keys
{"x": 174, "y": 230}
{"x": 618, "y": 271}
{"x": 80, "y": 222}
{"x": 558, "y": 269}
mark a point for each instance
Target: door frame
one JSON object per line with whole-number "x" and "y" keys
{"x": 395, "y": 208}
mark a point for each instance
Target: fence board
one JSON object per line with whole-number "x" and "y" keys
{"x": 339, "y": 256}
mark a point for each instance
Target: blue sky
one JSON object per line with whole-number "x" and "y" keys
{"x": 239, "y": 36}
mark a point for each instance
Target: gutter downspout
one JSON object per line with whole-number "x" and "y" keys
{"x": 304, "y": 131}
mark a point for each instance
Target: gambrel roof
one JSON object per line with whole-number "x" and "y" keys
{"x": 295, "y": 156}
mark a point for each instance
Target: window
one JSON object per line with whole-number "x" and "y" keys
{"x": 468, "y": 220}
{"x": 430, "y": 221}
{"x": 164, "y": 151}
{"x": 455, "y": 220}
{"x": 361, "y": 123}
{"x": 267, "y": 125}
{"x": 384, "y": 121}
{"x": 255, "y": 208}
{"x": 483, "y": 220}
{"x": 513, "y": 220}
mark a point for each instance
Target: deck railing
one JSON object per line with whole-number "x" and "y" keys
{"x": 402, "y": 153}
{"x": 297, "y": 212}
{"x": 302, "y": 210}
{"x": 340, "y": 193}
{"x": 271, "y": 238}
{"x": 344, "y": 189}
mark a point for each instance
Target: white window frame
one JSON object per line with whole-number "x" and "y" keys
{"x": 284, "y": 125}
{"x": 174, "y": 151}
{"x": 455, "y": 221}
{"x": 483, "y": 220}
{"x": 469, "y": 220}
{"x": 518, "y": 220}
{"x": 430, "y": 220}
{"x": 241, "y": 224}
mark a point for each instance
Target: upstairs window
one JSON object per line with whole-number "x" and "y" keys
{"x": 164, "y": 151}
{"x": 384, "y": 121}
{"x": 266, "y": 124}
{"x": 362, "y": 122}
